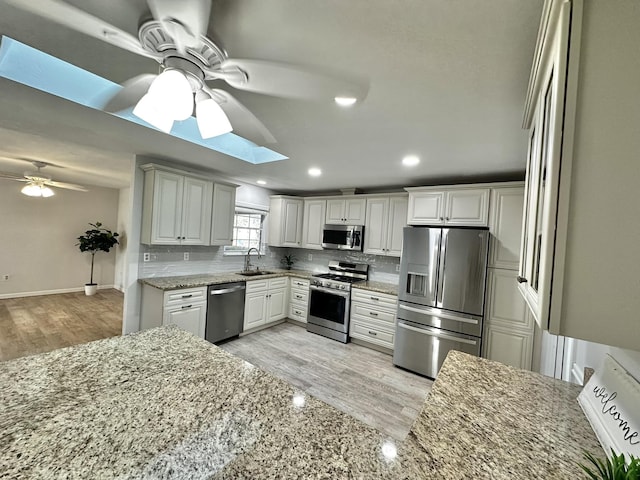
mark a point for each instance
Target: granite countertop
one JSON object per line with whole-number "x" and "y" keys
{"x": 165, "y": 404}
{"x": 380, "y": 287}
{"x": 204, "y": 279}
{"x": 484, "y": 419}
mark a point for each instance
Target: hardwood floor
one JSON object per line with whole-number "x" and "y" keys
{"x": 31, "y": 325}
{"x": 357, "y": 380}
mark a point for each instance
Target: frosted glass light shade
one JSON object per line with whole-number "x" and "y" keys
{"x": 212, "y": 121}
{"x": 148, "y": 109}
{"x": 35, "y": 190}
{"x": 172, "y": 91}
{"x": 46, "y": 192}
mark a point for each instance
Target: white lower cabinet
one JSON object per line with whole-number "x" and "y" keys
{"x": 508, "y": 332}
{"x": 189, "y": 317}
{"x": 299, "y": 299}
{"x": 265, "y": 302}
{"x": 373, "y": 317}
{"x": 186, "y": 308}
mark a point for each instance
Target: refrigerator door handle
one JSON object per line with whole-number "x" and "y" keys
{"x": 437, "y": 333}
{"x": 441, "y": 315}
{"x": 435, "y": 274}
{"x": 443, "y": 256}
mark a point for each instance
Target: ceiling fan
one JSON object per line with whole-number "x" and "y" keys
{"x": 38, "y": 183}
{"x": 176, "y": 38}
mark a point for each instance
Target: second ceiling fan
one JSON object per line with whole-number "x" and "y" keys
{"x": 176, "y": 37}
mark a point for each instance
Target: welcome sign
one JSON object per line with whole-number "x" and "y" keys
{"x": 611, "y": 402}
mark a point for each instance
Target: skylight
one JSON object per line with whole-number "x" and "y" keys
{"x": 29, "y": 66}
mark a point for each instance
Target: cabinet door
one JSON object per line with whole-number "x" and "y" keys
{"x": 255, "y": 309}
{"x": 354, "y": 211}
{"x": 376, "y": 233}
{"x": 188, "y": 317}
{"x": 224, "y": 206}
{"x": 292, "y": 227}
{"x": 313, "y": 220}
{"x": 335, "y": 211}
{"x": 505, "y": 226}
{"x": 277, "y": 305}
{"x": 510, "y": 347}
{"x": 196, "y": 211}
{"x": 426, "y": 208}
{"x": 467, "y": 207}
{"x": 397, "y": 221}
{"x": 167, "y": 208}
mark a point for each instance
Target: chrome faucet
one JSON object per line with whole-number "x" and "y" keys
{"x": 247, "y": 259}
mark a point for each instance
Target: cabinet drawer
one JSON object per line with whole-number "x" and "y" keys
{"x": 257, "y": 285}
{"x": 374, "y": 298}
{"x": 366, "y": 311}
{"x": 300, "y": 283}
{"x": 296, "y": 312}
{"x": 372, "y": 333}
{"x": 279, "y": 282}
{"x": 299, "y": 296}
{"x": 186, "y": 295}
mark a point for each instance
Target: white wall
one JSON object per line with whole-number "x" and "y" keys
{"x": 124, "y": 219}
{"x": 38, "y": 237}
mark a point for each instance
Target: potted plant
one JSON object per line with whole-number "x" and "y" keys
{"x": 612, "y": 468}
{"x": 288, "y": 261}
{"x": 95, "y": 240}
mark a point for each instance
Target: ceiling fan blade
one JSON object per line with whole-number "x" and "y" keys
{"x": 81, "y": 21}
{"x": 133, "y": 90}
{"x": 185, "y": 21}
{"x": 245, "y": 123}
{"x": 282, "y": 80}
{"x": 12, "y": 176}
{"x": 68, "y": 186}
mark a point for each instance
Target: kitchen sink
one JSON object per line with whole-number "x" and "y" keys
{"x": 255, "y": 273}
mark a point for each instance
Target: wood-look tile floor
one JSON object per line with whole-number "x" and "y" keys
{"x": 31, "y": 325}
{"x": 354, "y": 379}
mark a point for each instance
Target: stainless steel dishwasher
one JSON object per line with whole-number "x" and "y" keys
{"x": 225, "y": 311}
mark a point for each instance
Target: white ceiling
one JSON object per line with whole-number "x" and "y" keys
{"x": 447, "y": 83}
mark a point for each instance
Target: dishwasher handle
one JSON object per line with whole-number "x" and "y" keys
{"x": 227, "y": 290}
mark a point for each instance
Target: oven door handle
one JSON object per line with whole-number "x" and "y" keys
{"x": 339, "y": 293}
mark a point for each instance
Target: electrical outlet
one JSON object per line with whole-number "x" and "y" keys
{"x": 398, "y": 268}
{"x": 309, "y": 257}
{"x": 5, "y": 277}
{"x": 186, "y": 256}
{"x": 146, "y": 257}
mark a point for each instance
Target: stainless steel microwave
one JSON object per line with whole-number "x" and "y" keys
{"x": 343, "y": 237}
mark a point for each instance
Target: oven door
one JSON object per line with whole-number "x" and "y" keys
{"x": 329, "y": 308}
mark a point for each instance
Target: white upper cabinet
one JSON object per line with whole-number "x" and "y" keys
{"x": 346, "y": 211}
{"x": 455, "y": 206}
{"x": 505, "y": 226}
{"x": 285, "y": 221}
{"x": 313, "y": 221}
{"x": 224, "y": 205}
{"x": 579, "y": 260}
{"x": 176, "y": 209}
{"x": 386, "y": 216}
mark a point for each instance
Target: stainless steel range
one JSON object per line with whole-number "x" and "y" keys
{"x": 330, "y": 299}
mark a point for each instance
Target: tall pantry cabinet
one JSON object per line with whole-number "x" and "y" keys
{"x": 579, "y": 260}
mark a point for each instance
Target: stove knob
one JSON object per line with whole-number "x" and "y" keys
{"x": 343, "y": 287}
{"x": 328, "y": 285}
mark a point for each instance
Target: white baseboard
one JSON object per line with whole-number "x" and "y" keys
{"x": 49, "y": 292}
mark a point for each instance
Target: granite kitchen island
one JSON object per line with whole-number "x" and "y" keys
{"x": 165, "y": 404}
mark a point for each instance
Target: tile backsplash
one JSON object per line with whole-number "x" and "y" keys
{"x": 168, "y": 261}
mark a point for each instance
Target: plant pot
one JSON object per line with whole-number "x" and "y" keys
{"x": 90, "y": 289}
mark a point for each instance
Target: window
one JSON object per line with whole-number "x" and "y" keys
{"x": 247, "y": 232}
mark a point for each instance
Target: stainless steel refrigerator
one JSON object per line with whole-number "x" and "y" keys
{"x": 441, "y": 296}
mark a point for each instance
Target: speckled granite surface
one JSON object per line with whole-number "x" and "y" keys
{"x": 484, "y": 419}
{"x": 190, "y": 281}
{"x": 165, "y": 404}
{"x": 381, "y": 287}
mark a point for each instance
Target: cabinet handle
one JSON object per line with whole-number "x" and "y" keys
{"x": 187, "y": 296}
{"x": 373, "y": 314}
{"x": 298, "y": 296}
{"x": 441, "y": 218}
{"x": 521, "y": 279}
{"x": 375, "y": 298}
{"x": 373, "y": 333}
{"x": 184, "y": 307}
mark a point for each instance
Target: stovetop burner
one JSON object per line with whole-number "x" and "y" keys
{"x": 339, "y": 278}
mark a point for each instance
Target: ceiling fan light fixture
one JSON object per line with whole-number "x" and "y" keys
{"x": 212, "y": 121}
{"x": 35, "y": 190}
{"x": 148, "y": 110}
{"x": 173, "y": 94}
{"x": 345, "y": 101}
{"x": 46, "y": 192}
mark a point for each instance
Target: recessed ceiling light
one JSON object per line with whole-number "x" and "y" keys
{"x": 410, "y": 161}
{"x": 315, "y": 172}
{"x": 345, "y": 101}
{"x": 261, "y": 182}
